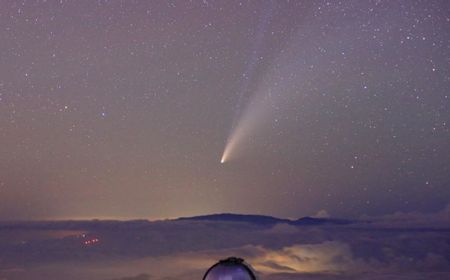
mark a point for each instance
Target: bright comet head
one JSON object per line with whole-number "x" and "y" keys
{"x": 225, "y": 155}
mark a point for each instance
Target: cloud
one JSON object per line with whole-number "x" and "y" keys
{"x": 329, "y": 257}
{"x": 331, "y": 260}
{"x": 397, "y": 246}
{"x": 321, "y": 214}
{"x": 415, "y": 219}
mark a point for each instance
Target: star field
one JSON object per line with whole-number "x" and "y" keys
{"x": 122, "y": 109}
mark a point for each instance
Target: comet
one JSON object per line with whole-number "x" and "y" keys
{"x": 278, "y": 87}
{"x": 252, "y": 65}
{"x": 255, "y": 116}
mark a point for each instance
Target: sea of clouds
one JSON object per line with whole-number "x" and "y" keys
{"x": 398, "y": 246}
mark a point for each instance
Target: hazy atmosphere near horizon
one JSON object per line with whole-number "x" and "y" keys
{"x": 142, "y": 112}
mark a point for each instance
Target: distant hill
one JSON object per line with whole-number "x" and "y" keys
{"x": 142, "y": 224}
{"x": 265, "y": 220}
{"x": 228, "y": 217}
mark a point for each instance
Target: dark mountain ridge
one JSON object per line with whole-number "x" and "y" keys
{"x": 266, "y": 220}
{"x": 136, "y": 224}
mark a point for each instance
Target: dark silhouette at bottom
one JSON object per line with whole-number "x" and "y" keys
{"x": 231, "y": 268}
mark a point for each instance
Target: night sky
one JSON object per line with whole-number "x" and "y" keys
{"x": 125, "y": 109}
